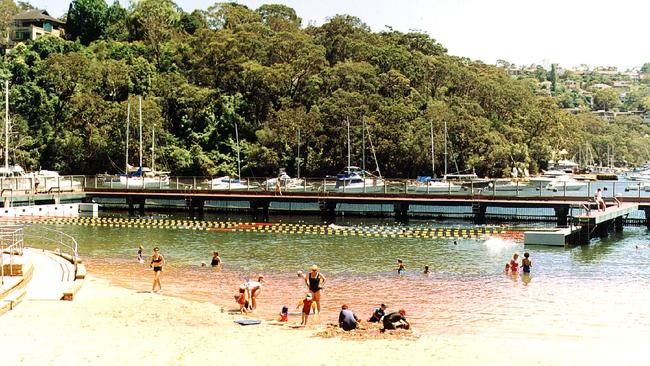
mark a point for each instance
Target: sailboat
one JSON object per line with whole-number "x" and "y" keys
{"x": 40, "y": 181}
{"x": 140, "y": 177}
{"x": 357, "y": 180}
{"x": 285, "y": 183}
{"x": 228, "y": 183}
{"x": 425, "y": 184}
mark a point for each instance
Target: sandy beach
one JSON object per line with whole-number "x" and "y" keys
{"x": 108, "y": 325}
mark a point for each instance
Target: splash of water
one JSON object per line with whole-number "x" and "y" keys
{"x": 496, "y": 245}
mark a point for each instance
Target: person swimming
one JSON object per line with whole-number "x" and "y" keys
{"x": 400, "y": 266}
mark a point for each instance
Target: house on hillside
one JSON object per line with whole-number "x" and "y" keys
{"x": 32, "y": 24}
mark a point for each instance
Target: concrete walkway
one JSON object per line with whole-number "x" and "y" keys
{"x": 52, "y": 274}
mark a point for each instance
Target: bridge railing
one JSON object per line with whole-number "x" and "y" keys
{"x": 484, "y": 188}
{"x": 11, "y": 244}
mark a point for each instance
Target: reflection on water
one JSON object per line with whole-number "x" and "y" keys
{"x": 571, "y": 292}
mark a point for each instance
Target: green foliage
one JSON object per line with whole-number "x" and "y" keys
{"x": 606, "y": 99}
{"x": 203, "y": 73}
{"x": 86, "y": 20}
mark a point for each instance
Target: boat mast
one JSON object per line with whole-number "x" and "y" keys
{"x": 363, "y": 143}
{"x": 298, "y": 153}
{"x": 374, "y": 155}
{"x": 445, "y": 147}
{"x": 153, "y": 147}
{"x": 140, "y": 113}
{"x": 348, "y": 167}
{"x": 128, "y": 120}
{"x": 6, "y": 126}
{"x": 433, "y": 160}
{"x": 238, "y": 161}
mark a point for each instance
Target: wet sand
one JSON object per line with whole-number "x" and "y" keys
{"x": 108, "y": 325}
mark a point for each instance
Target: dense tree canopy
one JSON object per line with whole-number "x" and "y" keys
{"x": 281, "y": 84}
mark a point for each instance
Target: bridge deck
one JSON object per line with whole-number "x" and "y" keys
{"x": 595, "y": 217}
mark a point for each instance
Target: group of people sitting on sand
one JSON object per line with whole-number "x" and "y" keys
{"x": 347, "y": 320}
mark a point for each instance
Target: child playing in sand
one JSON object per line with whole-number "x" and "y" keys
{"x": 307, "y": 306}
{"x": 242, "y": 300}
{"x": 284, "y": 314}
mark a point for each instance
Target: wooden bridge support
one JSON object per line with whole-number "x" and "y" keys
{"x": 562, "y": 214}
{"x": 647, "y": 217}
{"x": 260, "y": 209}
{"x": 327, "y": 209}
{"x": 401, "y": 211}
{"x": 196, "y": 206}
{"x": 618, "y": 224}
{"x": 479, "y": 213}
{"x": 132, "y": 202}
{"x": 602, "y": 229}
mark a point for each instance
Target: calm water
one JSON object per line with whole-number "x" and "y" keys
{"x": 600, "y": 289}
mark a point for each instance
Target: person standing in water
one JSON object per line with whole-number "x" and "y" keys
{"x": 216, "y": 259}
{"x": 315, "y": 281}
{"x": 514, "y": 264}
{"x": 141, "y": 254}
{"x": 526, "y": 263}
{"x": 400, "y": 266}
{"x": 157, "y": 263}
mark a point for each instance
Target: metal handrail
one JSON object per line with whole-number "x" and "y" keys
{"x": 70, "y": 245}
{"x": 15, "y": 236}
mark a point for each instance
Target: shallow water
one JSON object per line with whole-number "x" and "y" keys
{"x": 599, "y": 289}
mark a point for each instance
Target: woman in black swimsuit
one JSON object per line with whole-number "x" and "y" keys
{"x": 157, "y": 262}
{"x": 216, "y": 259}
{"x": 315, "y": 281}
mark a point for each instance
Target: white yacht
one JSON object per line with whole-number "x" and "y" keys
{"x": 565, "y": 183}
{"x": 226, "y": 183}
{"x": 356, "y": 180}
{"x": 506, "y": 185}
{"x": 429, "y": 185}
{"x": 287, "y": 184}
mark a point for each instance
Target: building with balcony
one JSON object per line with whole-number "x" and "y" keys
{"x": 32, "y": 24}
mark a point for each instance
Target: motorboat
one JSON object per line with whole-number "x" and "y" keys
{"x": 565, "y": 183}
{"x": 507, "y": 185}
{"x": 466, "y": 180}
{"x": 226, "y": 183}
{"x": 287, "y": 184}
{"x": 426, "y": 184}
{"x": 47, "y": 180}
{"x": 356, "y": 180}
{"x": 142, "y": 178}
{"x": 642, "y": 176}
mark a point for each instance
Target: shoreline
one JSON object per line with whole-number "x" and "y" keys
{"x": 109, "y": 324}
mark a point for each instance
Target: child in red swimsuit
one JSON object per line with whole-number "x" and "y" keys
{"x": 514, "y": 265}
{"x": 307, "y": 305}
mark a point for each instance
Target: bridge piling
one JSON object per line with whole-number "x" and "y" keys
{"x": 479, "y": 213}
{"x": 562, "y": 214}
{"x": 401, "y": 211}
{"x": 260, "y": 205}
{"x": 327, "y": 209}
{"x": 196, "y": 206}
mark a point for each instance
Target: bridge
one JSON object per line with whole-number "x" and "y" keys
{"x": 568, "y": 207}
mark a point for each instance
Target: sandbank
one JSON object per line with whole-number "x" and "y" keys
{"x": 111, "y": 325}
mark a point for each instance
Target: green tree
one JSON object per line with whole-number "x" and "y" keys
{"x": 86, "y": 20}
{"x": 606, "y": 99}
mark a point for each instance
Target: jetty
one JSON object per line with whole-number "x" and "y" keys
{"x": 573, "y": 213}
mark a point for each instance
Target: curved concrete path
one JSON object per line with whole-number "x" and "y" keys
{"x": 52, "y": 275}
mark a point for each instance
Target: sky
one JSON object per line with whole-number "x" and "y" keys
{"x": 523, "y": 32}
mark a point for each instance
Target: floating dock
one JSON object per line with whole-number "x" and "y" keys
{"x": 552, "y": 237}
